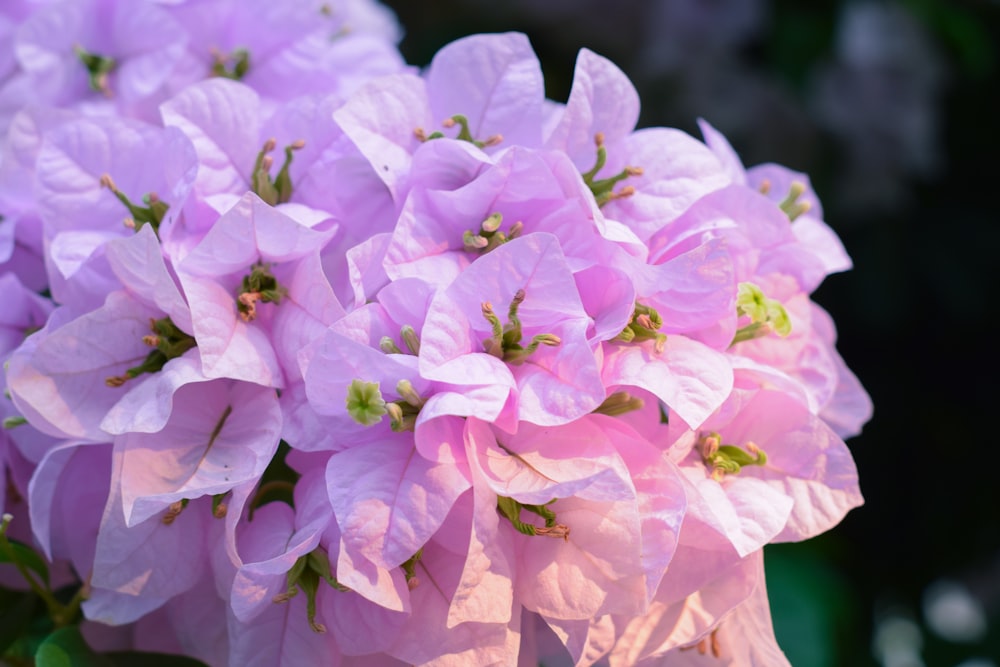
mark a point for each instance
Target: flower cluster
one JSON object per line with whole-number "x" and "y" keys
{"x": 387, "y": 367}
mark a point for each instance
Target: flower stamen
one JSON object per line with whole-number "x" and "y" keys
{"x": 603, "y": 189}
{"x": 99, "y": 69}
{"x": 464, "y": 133}
{"x": 151, "y": 214}
{"x": 168, "y": 341}
{"x": 233, "y": 66}
{"x": 706, "y": 643}
{"x": 619, "y": 403}
{"x": 791, "y": 205}
{"x": 259, "y": 285}
{"x": 174, "y": 511}
{"x": 511, "y": 510}
{"x": 644, "y": 325}
{"x": 410, "y": 339}
{"x": 279, "y": 189}
{"x": 728, "y": 459}
{"x": 489, "y": 237}
{"x": 409, "y": 569}
{"x": 505, "y": 341}
{"x": 305, "y": 576}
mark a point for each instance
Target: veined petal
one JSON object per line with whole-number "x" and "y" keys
{"x": 281, "y": 637}
{"x": 691, "y": 378}
{"x": 389, "y": 500}
{"x": 59, "y": 380}
{"x": 493, "y": 80}
{"x": 380, "y": 119}
{"x": 220, "y": 434}
{"x": 602, "y": 99}
{"x": 221, "y": 118}
{"x": 138, "y": 263}
{"x": 542, "y": 463}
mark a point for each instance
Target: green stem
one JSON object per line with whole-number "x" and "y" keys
{"x": 53, "y": 605}
{"x": 66, "y": 615}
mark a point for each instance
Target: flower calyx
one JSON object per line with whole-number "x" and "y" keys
{"x": 151, "y": 214}
{"x": 489, "y": 235}
{"x": 603, "y": 188}
{"x": 367, "y": 406}
{"x": 403, "y": 413}
{"x": 98, "y": 68}
{"x": 259, "y": 285}
{"x": 279, "y": 189}
{"x": 305, "y": 576}
{"x": 644, "y": 325}
{"x": 464, "y": 133}
{"x": 505, "y": 343}
{"x": 365, "y": 403}
{"x": 728, "y": 459}
{"x": 168, "y": 342}
{"x": 232, "y": 66}
{"x": 511, "y": 510}
{"x": 766, "y": 315}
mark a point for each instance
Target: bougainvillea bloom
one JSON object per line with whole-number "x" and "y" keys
{"x": 342, "y": 363}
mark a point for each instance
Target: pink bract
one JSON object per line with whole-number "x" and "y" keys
{"x": 345, "y": 363}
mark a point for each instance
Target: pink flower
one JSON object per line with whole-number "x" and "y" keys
{"x": 233, "y": 290}
{"x": 764, "y": 469}
{"x": 493, "y": 82}
{"x": 101, "y": 56}
{"x": 554, "y": 372}
{"x": 68, "y": 377}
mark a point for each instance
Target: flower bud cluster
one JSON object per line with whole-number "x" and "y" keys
{"x": 466, "y": 377}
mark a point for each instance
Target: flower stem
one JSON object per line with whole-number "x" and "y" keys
{"x": 55, "y": 609}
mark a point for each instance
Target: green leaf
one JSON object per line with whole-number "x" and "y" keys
{"x": 27, "y": 557}
{"x": 66, "y": 647}
{"x": 141, "y": 659}
{"x": 17, "y": 611}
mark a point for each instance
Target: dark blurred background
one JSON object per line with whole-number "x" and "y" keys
{"x": 892, "y": 109}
